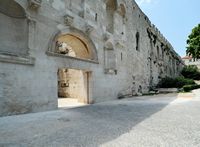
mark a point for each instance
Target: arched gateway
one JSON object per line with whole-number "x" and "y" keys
{"x": 73, "y": 84}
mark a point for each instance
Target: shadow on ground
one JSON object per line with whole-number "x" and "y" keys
{"x": 87, "y": 126}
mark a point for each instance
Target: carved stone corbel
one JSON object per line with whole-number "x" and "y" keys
{"x": 34, "y": 4}
{"x": 68, "y": 20}
{"x": 107, "y": 36}
{"x": 89, "y": 29}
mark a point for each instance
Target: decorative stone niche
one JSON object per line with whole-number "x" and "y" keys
{"x": 15, "y": 33}
{"x": 110, "y": 61}
{"x": 122, "y": 11}
{"x": 34, "y": 4}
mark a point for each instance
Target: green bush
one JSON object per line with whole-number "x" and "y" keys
{"x": 188, "y": 88}
{"x": 181, "y": 81}
{"x": 191, "y": 72}
{"x": 178, "y": 82}
{"x": 166, "y": 83}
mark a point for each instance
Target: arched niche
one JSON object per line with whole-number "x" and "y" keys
{"x": 73, "y": 43}
{"x": 12, "y": 9}
{"x": 122, "y": 10}
{"x": 111, "y": 7}
{"x": 110, "y": 66}
{"x": 14, "y": 30}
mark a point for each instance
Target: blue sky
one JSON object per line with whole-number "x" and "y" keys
{"x": 174, "y": 18}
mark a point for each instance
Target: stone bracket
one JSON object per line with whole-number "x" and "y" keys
{"x": 68, "y": 20}
{"x": 107, "y": 36}
{"x": 88, "y": 28}
{"x": 34, "y": 4}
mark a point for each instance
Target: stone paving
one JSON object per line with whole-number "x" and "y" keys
{"x": 69, "y": 103}
{"x": 147, "y": 121}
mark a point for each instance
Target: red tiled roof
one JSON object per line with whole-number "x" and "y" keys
{"x": 187, "y": 57}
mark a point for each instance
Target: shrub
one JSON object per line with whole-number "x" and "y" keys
{"x": 188, "y": 88}
{"x": 191, "y": 72}
{"x": 181, "y": 81}
{"x": 178, "y": 82}
{"x": 166, "y": 83}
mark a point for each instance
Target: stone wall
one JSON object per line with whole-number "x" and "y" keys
{"x": 125, "y": 51}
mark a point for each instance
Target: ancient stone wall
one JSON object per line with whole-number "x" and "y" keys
{"x": 128, "y": 55}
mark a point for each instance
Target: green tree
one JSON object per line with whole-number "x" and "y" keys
{"x": 193, "y": 42}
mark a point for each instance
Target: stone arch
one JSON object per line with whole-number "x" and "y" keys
{"x": 14, "y": 29}
{"x": 77, "y": 45}
{"x": 12, "y": 9}
{"x": 111, "y": 7}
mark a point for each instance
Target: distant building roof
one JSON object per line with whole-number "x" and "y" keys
{"x": 187, "y": 57}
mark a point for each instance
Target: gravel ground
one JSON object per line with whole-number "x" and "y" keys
{"x": 150, "y": 121}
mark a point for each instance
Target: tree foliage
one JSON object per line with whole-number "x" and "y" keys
{"x": 193, "y": 42}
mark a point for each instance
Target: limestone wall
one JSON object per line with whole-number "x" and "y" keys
{"x": 121, "y": 64}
